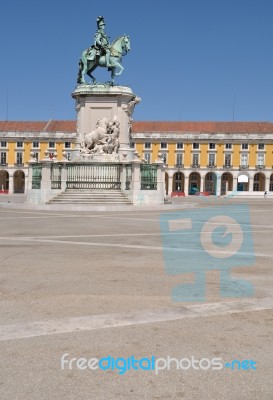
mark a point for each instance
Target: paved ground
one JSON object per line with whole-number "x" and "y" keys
{"x": 95, "y": 284}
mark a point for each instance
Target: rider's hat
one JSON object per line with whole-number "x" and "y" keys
{"x": 100, "y": 21}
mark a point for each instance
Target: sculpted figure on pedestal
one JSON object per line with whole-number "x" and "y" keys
{"x": 104, "y": 139}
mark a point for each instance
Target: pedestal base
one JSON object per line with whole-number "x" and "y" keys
{"x": 97, "y": 102}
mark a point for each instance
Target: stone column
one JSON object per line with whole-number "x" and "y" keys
{"x": 186, "y": 186}
{"x": 218, "y": 185}
{"x": 250, "y": 184}
{"x": 267, "y": 183}
{"x": 11, "y": 183}
{"x": 170, "y": 184}
{"x": 234, "y": 184}
{"x": 202, "y": 184}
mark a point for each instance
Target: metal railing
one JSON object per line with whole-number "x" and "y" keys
{"x": 195, "y": 165}
{"x": 36, "y": 176}
{"x": 148, "y": 175}
{"x": 227, "y": 166}
{"x": 93, "y": 176}
{"x": 128, "y": 179}
{"x": 56, "y": 177}
{"x": 242, "y": 167}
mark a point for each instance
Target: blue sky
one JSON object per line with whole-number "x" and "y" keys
{"x": 195, "y": 60}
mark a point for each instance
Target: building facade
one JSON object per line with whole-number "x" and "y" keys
{"x": 211, "y": 157}
{"x": 19, "y": 141}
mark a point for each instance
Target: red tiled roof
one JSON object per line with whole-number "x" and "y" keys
{"x": 61, "y": 126}
{"x": 144, "y": 126}
{"x": 38, "y": 126}
{"x": 203, "y": 127}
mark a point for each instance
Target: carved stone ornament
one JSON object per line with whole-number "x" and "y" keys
{"x": 130, "y": 108}
{"x": 104, "y": 139}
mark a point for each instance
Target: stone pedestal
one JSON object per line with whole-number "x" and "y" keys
{"x": 95, "y": 102}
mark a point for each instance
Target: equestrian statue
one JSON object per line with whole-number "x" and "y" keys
{"x": 103, "y": 54}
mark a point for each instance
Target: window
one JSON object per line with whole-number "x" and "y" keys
{"x": 179, "y": 145}
{"x": 3, "y": 144}
{"x": 163, "y": 145}
{"x": 261, "y": 146}
{"x": 147, "y": 145}
{"x": 35, "y": 145}
{"x": 67, "y": 145}
{"x": 36, "y": 156}
{"x": 3, "y": 158}
{"x": 211, "y": 160}
{"x": 195, "y": 159}
{"x": 179, "y": 160}
{"x": 19, "y": 144}
{"x": 244, "y": 158}
{"x": 51, "y": 145}
{"x": 132, "y": 145}
{"x": 228, "y": 146}
{"x": 245, "y": 146}
{"x": 195, "y": 146}
{"x": 260, "y": 159}
{"x": 147, "y": 157}
{"x": 212, "y": 146}
{"x": 227, "y": 160}
{"x": 19, "y": 158}
{"x": 68, "y": 155}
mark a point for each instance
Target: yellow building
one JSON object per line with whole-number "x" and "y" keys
{"x": 212, "y": 157}
{"x": 21, "y": 140}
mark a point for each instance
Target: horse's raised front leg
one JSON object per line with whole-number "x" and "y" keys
{"x": 120, "y": 67}
{"x": 120, "y": 71}
{"x": 116, "y": 66}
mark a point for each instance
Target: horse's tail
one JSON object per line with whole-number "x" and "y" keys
{"x": 79, "y": 79}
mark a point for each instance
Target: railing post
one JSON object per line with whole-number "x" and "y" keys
{"x": 63, "y": 176}
{"x": 136, "y": 175}
{"x": 123, "y": 177}
{"x": 161, "y": 168}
